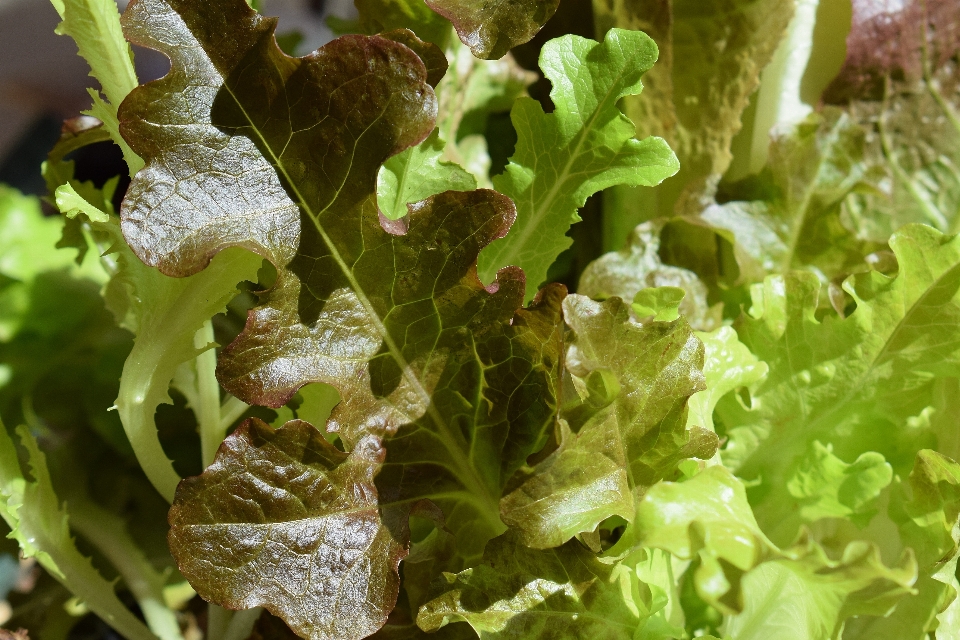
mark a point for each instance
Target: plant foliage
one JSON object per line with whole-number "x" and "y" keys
{"x": 348, "y": 361}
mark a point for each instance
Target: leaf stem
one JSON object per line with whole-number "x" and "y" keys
{"x": 212, "y": 432}
{"x": 230, "y": 411}
{"x": 108, "y": 534}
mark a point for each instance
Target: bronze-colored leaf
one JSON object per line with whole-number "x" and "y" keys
{"x": 284, "y": 520}
{"x": 492, "y": 28}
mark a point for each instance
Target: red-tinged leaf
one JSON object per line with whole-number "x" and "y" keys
{"x": 284, "y": 520}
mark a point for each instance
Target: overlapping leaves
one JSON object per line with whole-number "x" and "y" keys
{"x": 583, "y": 147}
{"x": 627, "y": 431}
{"x": 281, "y": 156}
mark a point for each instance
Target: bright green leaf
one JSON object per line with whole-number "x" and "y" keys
{"x": 95, "y": 26}
{"x": 416, "y": 174}
{"x": 796, "y": 592}
{"x": 827, "y": 487}
{"x": 583, "y": 147}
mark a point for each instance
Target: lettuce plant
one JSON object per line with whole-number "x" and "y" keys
{"x": 314, "y": 376}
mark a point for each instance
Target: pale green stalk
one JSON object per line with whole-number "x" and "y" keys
{"x": 108, "y": 534}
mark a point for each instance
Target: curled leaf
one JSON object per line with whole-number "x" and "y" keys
{"x": 284, "y": 520}
{"x": 492, "y": 28}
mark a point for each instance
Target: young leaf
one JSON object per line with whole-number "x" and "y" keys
{"x": 518, "y": 592}
{"x": 164, "y": 313}
{"x": 625, "y": 447}
{"x": 637, "y": 266}
{"x": 284, "y": 520}
{"x": 416, "y": 174}
{"x": 40, "y": 525}
{"x": 851, "y": 382}
{"x": 95, "y": 26}
{"x": 827, "y": 487}
{"x": 584, "y": 146}
{"x": 727, "y": 365}
{"x": 491, "y": 29}
{"x": 743, "y": 573}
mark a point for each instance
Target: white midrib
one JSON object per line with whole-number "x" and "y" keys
{"x": 466, "y": 472}
{"x": 512, "y": 249}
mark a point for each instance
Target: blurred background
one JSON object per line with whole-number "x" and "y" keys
{"x": 43, "y": 81}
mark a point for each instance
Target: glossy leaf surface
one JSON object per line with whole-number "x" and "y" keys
{"x": 285, "y": 520}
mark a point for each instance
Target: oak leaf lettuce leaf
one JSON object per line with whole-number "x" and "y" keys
{"x": 456, "y": 378}
{"x": 284, "y": 520}
{"x": 491, "y": 29}
{"x": 626, "y": 446}
{"x": 586, "y": 145}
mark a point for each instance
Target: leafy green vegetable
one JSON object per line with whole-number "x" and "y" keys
{"x": 562, "y": 593}
{"x": 827, "y": 487}
{"x": 744, "y": 425}
{"x": 812, "y": 169}
{"x": 40, "y": 525}
{"x": 95, "y": 26}
{"x": 286, "y": 520}
{"x": 416, "y": 174}
{"x": 625, "y": 447}
{"x": 584, "y": 146}
{"x": 742, "y": 572}
{"x": 849, "y": 382}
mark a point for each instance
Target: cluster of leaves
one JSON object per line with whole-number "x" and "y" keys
{"x": 742, "y": 425}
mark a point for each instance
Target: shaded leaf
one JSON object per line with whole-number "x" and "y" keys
{"x": 40, "y": 525}
{"x": 284, "y": 520}
{"x": 468, "y": 95}
{"x": 625, "y": 447}
{"x": 415, "y": 15}
{"x": 812, "y": 168}
{"x": 583, "y": 147}
{"x": 517, "y": 592}
{"x": 713, "y": 54}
